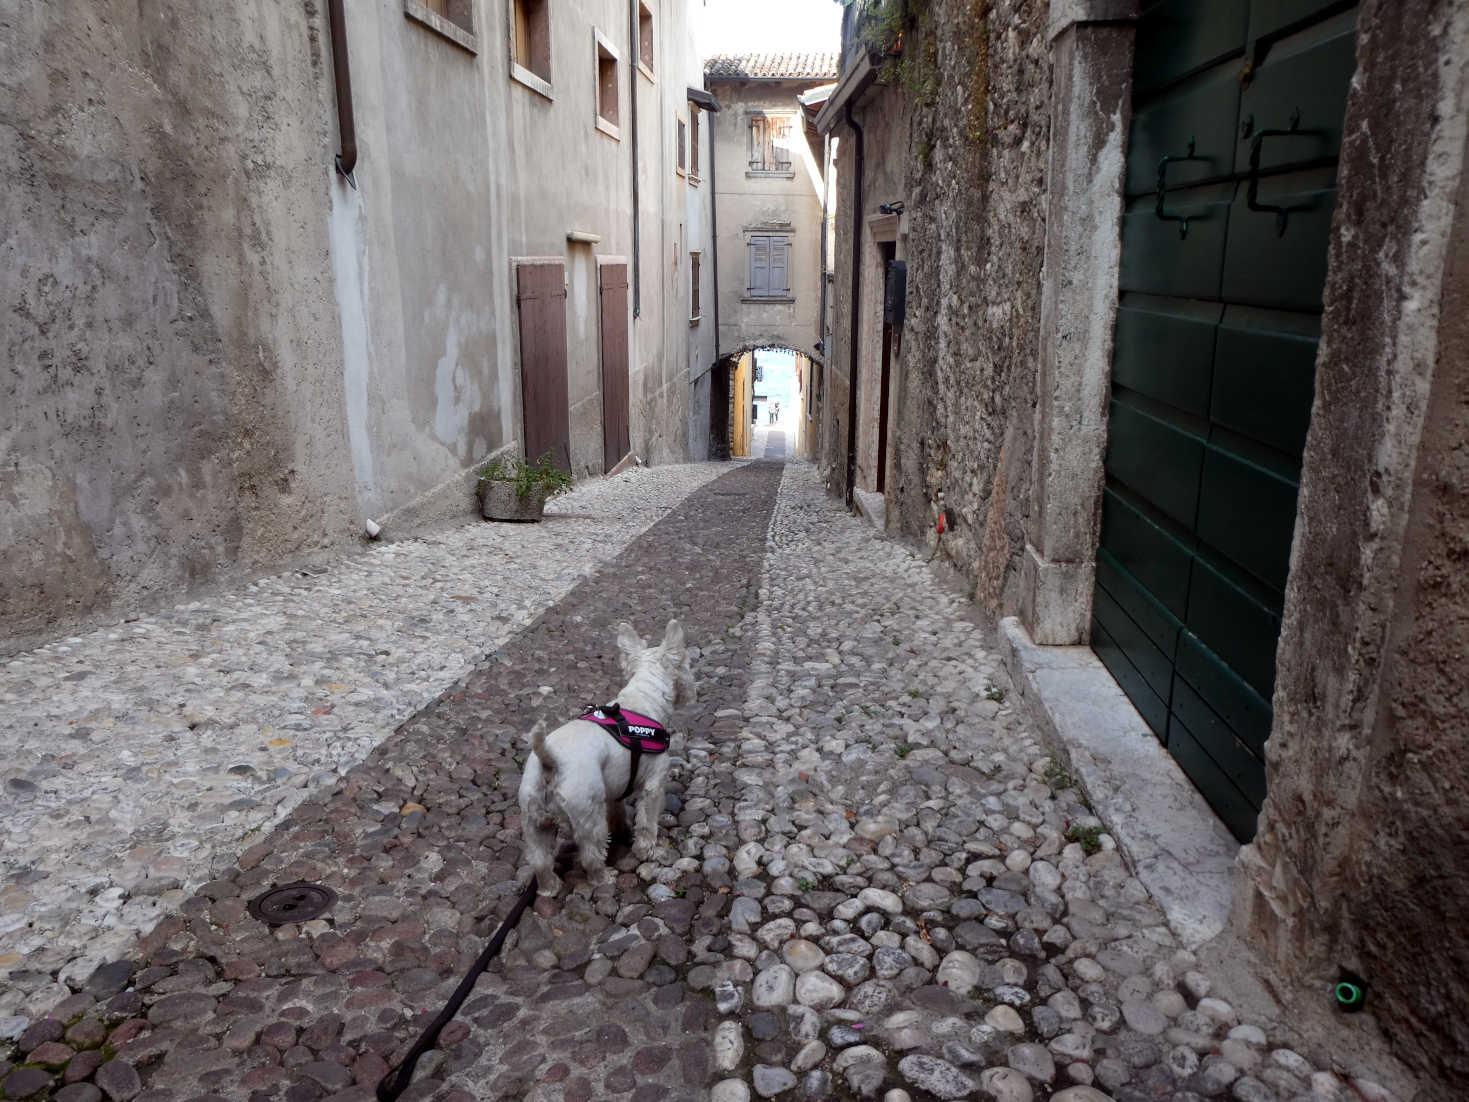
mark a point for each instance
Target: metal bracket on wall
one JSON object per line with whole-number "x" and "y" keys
{"x": 1163, "y": 215}
{"x": 1282, "y": 214}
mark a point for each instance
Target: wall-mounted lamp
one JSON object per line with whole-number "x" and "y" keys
{"x": 890, "y": 208}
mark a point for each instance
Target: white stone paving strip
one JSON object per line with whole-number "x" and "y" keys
{"x": 134, "y": 757}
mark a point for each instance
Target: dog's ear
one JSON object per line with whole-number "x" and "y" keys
{"x": 673, "y": 639}
{"x": 629, "y": 642}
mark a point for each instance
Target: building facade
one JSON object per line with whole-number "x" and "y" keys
{"x": 1182, "y": 389}
{"x": 282, "y": 270}
{"x": 770, "y": 186}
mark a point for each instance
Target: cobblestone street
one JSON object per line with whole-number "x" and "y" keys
{"x": 873, "y": 880}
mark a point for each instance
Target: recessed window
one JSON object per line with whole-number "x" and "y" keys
{"x": 695, "y": 310}
{"x": 530, "y": 44}
{"x": 607, "y": 87}
{"x": 693, "y": 143}
{"x": 770, "y": 266}
{"x": 645, "y": 41}
{"x": 681, "y": 132}
{"x": 454, "y": 19}
{"x": 770, "y": 144}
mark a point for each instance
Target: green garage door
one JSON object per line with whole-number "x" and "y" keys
{"x": 1231, "y": 180}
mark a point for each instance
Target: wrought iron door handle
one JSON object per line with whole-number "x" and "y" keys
{"x": 1163, "y": 215}
{"x": 1252, "y": 196}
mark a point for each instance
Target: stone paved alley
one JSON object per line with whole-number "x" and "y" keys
{"x": 873, "y": 880}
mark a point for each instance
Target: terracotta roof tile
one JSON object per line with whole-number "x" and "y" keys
{"x": 791, "y": 66}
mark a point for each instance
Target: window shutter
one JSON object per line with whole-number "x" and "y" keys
{"x": 782, "y": 151}
{"x": 757, "y": 144}
{"x": 759, "y": 267}
{"x": 780, "y": 268}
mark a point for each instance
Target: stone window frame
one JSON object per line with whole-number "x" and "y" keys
{"x": 540, "y": 83}
{"x": 784, "y": 233}
{"x": 647, "y": 43}
{"x": 453, "y": 19}
{"x": 681, "y": 140}
{"x": 606, "y": 61}
{"x": 762, "y": 118}
{"x": 693, "y": 166}
{"x": 696, "y": 314}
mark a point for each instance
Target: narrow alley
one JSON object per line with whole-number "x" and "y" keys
{"x": 873, "y": 878}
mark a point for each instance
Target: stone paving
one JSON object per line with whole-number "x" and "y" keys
{"x": 136, "y": 757}
{"x": 873, "y": 881}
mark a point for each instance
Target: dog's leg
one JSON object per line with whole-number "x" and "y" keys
{"x": 617, "y": 828}
{"x": 650, "y": 806}
{"x": 538, "y": 829}
{"x": 590, "y": 831}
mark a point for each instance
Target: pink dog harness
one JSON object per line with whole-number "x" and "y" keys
{"x": 636, "y": 733}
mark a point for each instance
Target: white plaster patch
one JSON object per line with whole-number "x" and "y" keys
{"x": 348, "y": 238}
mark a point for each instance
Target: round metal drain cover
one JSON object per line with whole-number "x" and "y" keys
{"x": 293, "y": 903}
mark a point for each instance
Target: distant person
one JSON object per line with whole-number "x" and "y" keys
{"x": 774, "y": 412}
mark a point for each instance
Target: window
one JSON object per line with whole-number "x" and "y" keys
{"x": 607, "y": 90}
{"x": 645, "y": 41}
{"x": 530, "y": 45}
{"x": 695, "y": 313}
{"x": 682, "y": 138}
{"x": 454, "y": 19}
{"x": 770, "y": 144}
{"x": 693, "y": 143}
{"x": 770, "y": 266}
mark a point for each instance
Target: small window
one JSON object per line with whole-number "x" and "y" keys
{"x": 645, "y": 41}
{"x": 607, "y": 88}
{"x": 454, "y": 19}
{"x": 770, "y": 144}
{"x": 695, "y": 312}
{"x": 693, "y": 143}
{"x": 681, "y": 132}
{"x": 531, "y": 44}
{"x": 770, "y": 266}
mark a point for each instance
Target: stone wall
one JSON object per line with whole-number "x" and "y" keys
{"x": 171, "y": 402}
{"x": 973, "y": 152}
{"x": 1364, "y": 839}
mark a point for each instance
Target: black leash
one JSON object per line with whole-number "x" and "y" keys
{"x": 396, "y": 1081}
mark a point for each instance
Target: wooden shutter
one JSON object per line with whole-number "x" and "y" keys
{"x": 781, "y": 153}
{"x": 759, "y": 266}
{"x": 693, "y": 140}
{"x": 757, "y": 144}
{"x": 541, "y": 298}
{"x": 780, "y": 266}
{"x": 616, "y": 435}
{"x": 694, "y": 285}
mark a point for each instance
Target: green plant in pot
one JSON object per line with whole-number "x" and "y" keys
{"x": 512, "y": 489}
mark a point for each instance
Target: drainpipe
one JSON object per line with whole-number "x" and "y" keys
{"x": 637, "y": 249}
{"x": 856, "y": 303}
{"x": 714, "y": 228}
{"x": 342, "y": 71}
{"x": 825, "y": 259}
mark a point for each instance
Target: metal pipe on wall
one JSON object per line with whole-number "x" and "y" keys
{"x": 342, "y": 73}
{"x": 637, "y": 235}
{"x": 856, "y": 304}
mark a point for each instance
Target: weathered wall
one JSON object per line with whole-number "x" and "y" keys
{"x": 1364, "y": 838}
{"x": 172, "y": 391}
{"x": 974, "y": 154}
{"x": 417, "y": 249}
{"x": 749, "y": 201}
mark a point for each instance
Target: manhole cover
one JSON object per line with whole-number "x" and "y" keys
{"x": 293, "y": 903}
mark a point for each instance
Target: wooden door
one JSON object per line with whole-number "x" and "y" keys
{"x": 541, "y": 298}
{"x": 616, "y": 428}
{"x": 1231, "y": 178}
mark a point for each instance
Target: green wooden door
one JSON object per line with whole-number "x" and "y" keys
{"x": 1231, "y": 181}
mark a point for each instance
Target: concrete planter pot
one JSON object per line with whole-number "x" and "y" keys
{"x": 498, "y": 501}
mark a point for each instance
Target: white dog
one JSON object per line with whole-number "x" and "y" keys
{"x": 581, "y": 771}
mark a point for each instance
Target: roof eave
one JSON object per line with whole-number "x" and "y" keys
{"x": 855, "y": 81}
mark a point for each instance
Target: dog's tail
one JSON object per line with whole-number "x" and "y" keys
{"x": 538, "y": 744}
